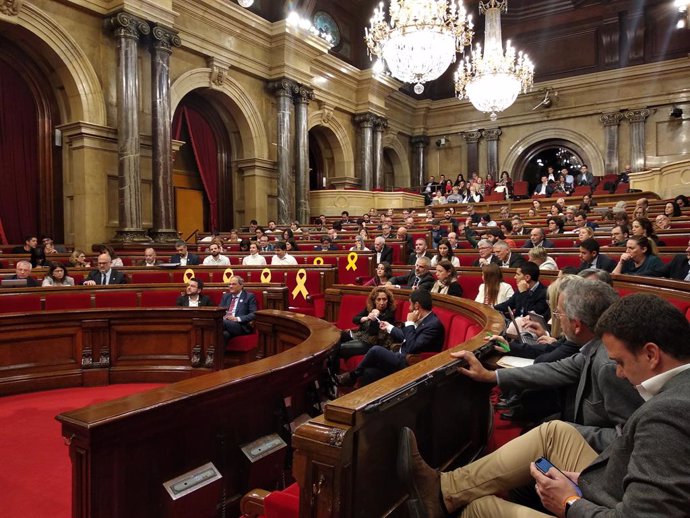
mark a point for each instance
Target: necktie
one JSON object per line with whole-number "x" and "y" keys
{"x": 415, "y": 283}
{"x": 102, "y": 279}
{"x": 231, "y": 307}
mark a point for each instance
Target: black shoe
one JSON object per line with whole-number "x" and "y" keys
{"x": 346, "y": 379}
{"x": 509, "y": 402}
{"x": 422, "y": 481}
{"x": 514, "y": 414}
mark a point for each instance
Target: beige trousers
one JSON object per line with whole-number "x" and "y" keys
{"x": 474, "y": 486}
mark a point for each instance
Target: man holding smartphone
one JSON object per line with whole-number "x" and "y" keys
{"x": 643, "y": 473}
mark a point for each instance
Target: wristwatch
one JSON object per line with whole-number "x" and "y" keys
{"x": 569, "y": 503}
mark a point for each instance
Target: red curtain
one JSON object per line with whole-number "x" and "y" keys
{"x": 18, "y": 157}
{"x": 203, "y": 143}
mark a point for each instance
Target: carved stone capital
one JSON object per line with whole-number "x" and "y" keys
{"x": 283, "y": 88}
{"x": 611, "y": 119}
{"x": 492, "y": 134}
{"x": 380, "y": 124}
{"x": 164, "y": 39}
{"x": 10, "y": 7}
{"x": 472, "y": 137}
{"x": 637, "y": 115}
{"x": 365, "y": 120}
{"x": 131, "y": 235}
{"x": 419, "y": 141}
{"x": 303, "y": 95}
{"x": 125, "y": 25}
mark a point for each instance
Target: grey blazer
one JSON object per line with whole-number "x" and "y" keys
{"x": 602, "y": 399}
{"x": 645, "y": 472}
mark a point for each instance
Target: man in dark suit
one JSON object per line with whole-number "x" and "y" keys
{"x": 679, "y": 267}
{"x": 437, "y": 233}
{"x": 183, "y": 257}
{"x": 486, "y": 253}
{"x": 585, "y": 177}
{"x": 530, "y": 295}
{"x": 193, "y": 296}
{"x": 591, "y": 258}
{"x": 537, "y": 238}
{"x": 419, "y": 279}
{"x": 402, "y": 235}
{"x": 384, "y": 253}
{"x": 104, "y": 274}
{"x": 544, "y": 189}
{"x": 241, "y": 309}
{"x": 641, "y": 473}
{"x": 506, "y": 258}
{"x": 419, "y": 251}
{"x": 423, "y": 332}
{"x": 149, "y": 258}
{"x": 22, "y": 270}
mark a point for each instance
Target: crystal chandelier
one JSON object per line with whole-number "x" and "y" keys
{"x": 492, "y": 80}
{"x": 684, "y": 13}
{"x": 420, "y": 39}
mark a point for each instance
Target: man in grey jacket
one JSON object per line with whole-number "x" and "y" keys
{"x": 643, "y": 472}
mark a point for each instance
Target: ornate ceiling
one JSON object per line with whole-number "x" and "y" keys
{"x": 562, "y": 37}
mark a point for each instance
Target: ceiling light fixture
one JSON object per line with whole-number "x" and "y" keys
{"x": 245, "y": 3}
{"x": 492, "y": 80}
{"x": 419, "y": 40}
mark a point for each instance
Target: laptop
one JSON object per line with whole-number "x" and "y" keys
{"x": 13, "y": 283}
{"x": 524, "y": 337}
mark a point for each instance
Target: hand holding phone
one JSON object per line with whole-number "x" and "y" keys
{"x": 544, "y": 465}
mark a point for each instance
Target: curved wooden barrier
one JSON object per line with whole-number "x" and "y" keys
{"x": 123, "y": 450}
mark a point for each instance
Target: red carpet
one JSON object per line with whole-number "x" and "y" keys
{"x": 35, "y": 475}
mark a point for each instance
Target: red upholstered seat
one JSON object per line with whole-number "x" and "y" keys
{"x": 243, "y": 343}
{"x": 520, "y": 189}
{"x": 159, "y": 298}
{"x": 68, "y": 301}
{"x": 178, "y": 274}
{"x": 215, "y": 294}
{"x": 151, "y": 277}
{"x": 350, "y": 305}
{"x": 581, "y": 190}
{"x": 115, "y": 299}
{"x": 283, "y": 504}
{"x": 470, "y": 285}
{"x": 20, "y": 303}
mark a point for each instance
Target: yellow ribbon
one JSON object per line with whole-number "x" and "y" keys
{"x": 188, "y": 275}
{"x": 351, "y": 261}
{"x": 301, "y": 279}
{"x": 265, "y": 276}
{"x": 227, "y": 274}
{"x": 318, "y": 261}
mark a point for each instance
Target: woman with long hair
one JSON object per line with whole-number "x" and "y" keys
{"x": 459, "y": 179}
{"x": 493, "y": 290}
{"x": 359, "y": 245}
{"x": 445, "y": 251}
{"x": 640, "y": 259}
{"x": 446, "y": 280}
{"x": 644, "y": 227}
{"x": 672, "y": 209}
{"x": 78, "y": 259}
{"x": 57, "y": 276}
{"x": 383, "y": 274}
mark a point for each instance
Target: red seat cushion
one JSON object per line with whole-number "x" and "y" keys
{"x": 115, "y": 299}
{"x": 153, "y": 277}
{"x": 350, "y": 305}
{"x": 243, "y": 343}
{"x": 20, "y": 303}
{"x": 159, "y": 298}
{"x": 456, "y": 333}
{"x": 68, "y": 301}
{"x": 470, "y": 285}
{"x": 283, "y": 504}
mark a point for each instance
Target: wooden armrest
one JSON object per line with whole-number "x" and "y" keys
{"x": 252, "y": 503}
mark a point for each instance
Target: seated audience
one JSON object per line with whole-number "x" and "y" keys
{"x": 555, "y": 225}
{"x": 420, "y": 278}
{"x": 505, "y": 257}
{"x": 531, "y": 294}
{"x": 49, "y": 247}
{"x": 359, "y": 245}
{"x": 619, "y": 235}
{"x": 638, "y": 474}
{"x": 241, "y": 308}
{"x": 445, "y": 252}
{"x": 183, "y": 257}
{"x": 78, "y": 259}
{"x": 672, "y": 209}
{"x": 326, "y": 245}
{"x": 150, "y": 258}
{"x": 254, "y": 258}
{"x": 662, "y": 222}
{"x": 538, "y": 256}
{"x": 639, "y": 259}
{"x": 437, "y": 233}
{"x": 281, "y": 256}
{"x": 591, "y": 258}
{"x": 114, "y": 259}
{"x": 583, "y": 234}
{"x": 216, "y": 258}
{"x": 383, "y": 274}
{"x": 679, "y": 267}
{"x": 486, "y": 253}
{"x": 493, "y": 290}
{"x": 104, "y": 273}
{"x": 22, "y": 270}
{"x": 644, "y": 227}
{"x": 682, "y": 201}
{"x": 423, "y": 332}
{"x": 57, "y": 276}
{"x": 420, "y": 251}
{"x": 193, "y": 296}
{"x": 446, "y": 279}
{"x": 537, "y": 238}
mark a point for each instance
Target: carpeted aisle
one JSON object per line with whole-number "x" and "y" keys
{"x": 35, "y": 470}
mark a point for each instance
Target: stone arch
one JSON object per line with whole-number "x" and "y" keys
{"x": 593, "y": 156}
{"x": 252, "y": 141}
{"x": 338, "y": 140}
{"x": 398, "y": 156}
{"x": 83, "y": 98}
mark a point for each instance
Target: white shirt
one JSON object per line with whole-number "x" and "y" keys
{"x": 505, "y": 291}
{"x": 193, "y": 303}
{"x": 548, "y": 264}
{"x": 454, "y": 261}
{"x": 221, "y": 260}
{"x": 287, "y": 259}
{"x": 651, "y": 387}
{"x": 254, "y": 260}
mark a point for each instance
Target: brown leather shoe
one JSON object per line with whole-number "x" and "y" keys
{"x": 423, "y": 482}
{"x": 346, "y": 379}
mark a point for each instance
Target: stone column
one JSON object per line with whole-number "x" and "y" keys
{"x": 302, "y": 97}
{"x": 491, "y": 136}
{"x": 365, "y": 163}
{"x": 161, "y": 140}
{"x": 380, "y": 126}
{"x": 472, "y": 140}
{"x": 637, "y": 137}
{"x": 419, "y": 144}
{"x": 611, "y": 121}
{"x": 127, "y": 29}
{"x": 284, "y": 90}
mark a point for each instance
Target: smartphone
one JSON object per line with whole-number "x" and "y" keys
{"x": 536, "y": 317}
{"x": 544, "y": 465}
